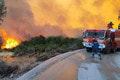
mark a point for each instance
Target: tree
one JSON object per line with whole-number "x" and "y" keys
{"x": 3, "y": 10}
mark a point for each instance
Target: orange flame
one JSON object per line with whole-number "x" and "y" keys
{"x": 8, "y": 42}
{"x": 8, "y": 58}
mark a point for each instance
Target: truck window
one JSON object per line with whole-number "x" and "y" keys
{"x": 92, "y": 34}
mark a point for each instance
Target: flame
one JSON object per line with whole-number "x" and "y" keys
{"x": 8, "y": 42}
{"x": 7, "y": 58}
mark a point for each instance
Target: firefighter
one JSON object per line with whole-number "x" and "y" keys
{"x": 119, "y": 26}
{"x": 110, "y": 25}
{"x": 95, "y": 48}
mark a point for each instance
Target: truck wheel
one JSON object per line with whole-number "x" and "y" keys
{"x": 118, "y": 49}
{"x": 89, "y": 49}
{"x": 107, "y": 49}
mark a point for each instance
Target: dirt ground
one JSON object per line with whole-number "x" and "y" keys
{"x": 23, "y": 64}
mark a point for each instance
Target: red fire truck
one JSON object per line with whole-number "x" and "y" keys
{"x": 109, "y": 40}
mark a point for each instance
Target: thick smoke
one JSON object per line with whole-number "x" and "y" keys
{"x": 19, "y": 21}
{"x": 29, "y": 18}
{"x": 20, "y": 24}
{"x": 75, "y": 13}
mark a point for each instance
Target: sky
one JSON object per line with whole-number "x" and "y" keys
{"x": 29, "y": 18}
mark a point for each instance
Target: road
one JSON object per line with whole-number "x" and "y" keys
{"x": 77, "y": 65}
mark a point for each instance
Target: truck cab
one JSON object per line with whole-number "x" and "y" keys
{"x": 107, "y": 39}
{"x": 90, "y": 34}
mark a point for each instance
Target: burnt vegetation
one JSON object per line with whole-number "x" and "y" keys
{"x": 6, "y": 69}
{"x": 45, "y": 48}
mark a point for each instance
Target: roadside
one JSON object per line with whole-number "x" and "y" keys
{"x": 14, "y": 66}
{"x": 77, "y": 66}
{"x": 43, "y": 67}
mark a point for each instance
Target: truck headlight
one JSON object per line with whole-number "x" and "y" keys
{"x": 102, "y": 46}
{"x": 86, "y": 44}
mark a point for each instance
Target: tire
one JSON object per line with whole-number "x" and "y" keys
{"x": 118, "y": 49}
{"x": 89, "y": 49}
{"x": 107, "y": 49}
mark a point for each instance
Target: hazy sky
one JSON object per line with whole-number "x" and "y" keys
{"x": 29, "y": 18}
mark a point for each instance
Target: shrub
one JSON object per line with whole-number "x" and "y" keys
{"x": 45, "y": 48}
{"x": 37, "y": 40}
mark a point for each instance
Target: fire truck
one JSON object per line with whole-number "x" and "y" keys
{"x": 109, "y": 40}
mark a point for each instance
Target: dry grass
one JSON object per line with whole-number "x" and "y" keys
{"x": 4, "y": 54}
{"x": 23, "y": 63}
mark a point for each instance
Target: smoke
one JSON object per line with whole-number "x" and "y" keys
{"x": 29, "y": 18}
{"x": 19, "y": 21}
{"x": 75, "y": 13}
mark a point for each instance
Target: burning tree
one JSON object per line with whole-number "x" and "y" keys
{"x": 2, "y": 10}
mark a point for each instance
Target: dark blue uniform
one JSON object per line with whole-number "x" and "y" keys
{"x": 95, "y": 47}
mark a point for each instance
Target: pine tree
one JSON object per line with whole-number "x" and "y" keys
{"x": 3, "y": 11}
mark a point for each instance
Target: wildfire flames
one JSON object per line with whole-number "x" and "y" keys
{"x": 8, "y": 42}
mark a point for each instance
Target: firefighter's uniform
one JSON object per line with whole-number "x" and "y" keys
{"x": 110, "y": 25}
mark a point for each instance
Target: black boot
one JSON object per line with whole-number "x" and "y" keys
{"x": 100, "y": 56}
{"x": 93, "y": 55}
